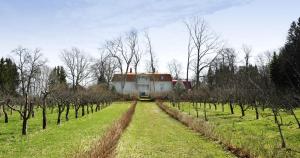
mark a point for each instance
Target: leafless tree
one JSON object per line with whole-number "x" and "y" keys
{"x": 247, "y": 51}
{"x": 118, "y": 50}
{"x": 175, "y": 69}
{"x": 104, "y": 68}
{"x": 99, "y": 67}
{"x": 206, "y": 44}
{"x": 29, "y": 64}
{"x": 189, "y": 56}
{"x": 151, "y": 65}
{"x": 77, "y": 66}
{"x": 132, "y": 42}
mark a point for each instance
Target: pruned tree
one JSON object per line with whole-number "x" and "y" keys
{"x": 29, "y": 64}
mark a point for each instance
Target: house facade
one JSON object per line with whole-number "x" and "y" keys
{"x": 143, "y": 84}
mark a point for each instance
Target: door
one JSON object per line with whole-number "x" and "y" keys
{"x": 144, "y": 90}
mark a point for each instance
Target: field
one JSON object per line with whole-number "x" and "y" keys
{"x": 152, "y": 133}
{"x": 260, "y": 137}
{"x": 56, "y": 141}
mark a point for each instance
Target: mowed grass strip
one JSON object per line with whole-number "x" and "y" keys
{"x": 152, "y": 133}
{"x": 260, "y": 137}
{"x": 56, "y": 141}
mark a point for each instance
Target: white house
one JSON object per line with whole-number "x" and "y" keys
{"x": 143, "y": 84}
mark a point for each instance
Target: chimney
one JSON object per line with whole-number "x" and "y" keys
{"x": 130, "y": 70}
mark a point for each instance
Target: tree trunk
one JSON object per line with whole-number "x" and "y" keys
{"x": 215, "y": 106}
{"x": 242, "y": 109}
{"x": 92, "y": 108}
{"x": 97, "y": 107}
{"x": 5, "y": 114}
{"x": 283, "y": 145}
{"x": 231, "y": 107}
{"x": 24, "y": 126}
{"x": 67, "y": 112}
{"x": 205, "y": 116}
{"x": 82, "y": 110}
{"x": 44, "y": 118}
{"x": 222, "y": 107}
{"x": 76, "y": 112}
{"x": 256, "y": 112}
{"x": 32, "y": 113}
{"x": 58, "y": 116}
{"x": 87, "y": 109}
{"x": 293, "y": 113}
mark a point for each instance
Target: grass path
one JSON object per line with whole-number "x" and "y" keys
{"x": 152, "y": 133}
{"x": 57, "y": 141}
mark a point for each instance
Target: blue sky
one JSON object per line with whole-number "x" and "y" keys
{"x": 53, "y": 25}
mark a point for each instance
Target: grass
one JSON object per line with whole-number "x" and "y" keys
{"x": 152, "y": 133}
{"x": 260, "y": 137}
{"x": 56, "y": 141}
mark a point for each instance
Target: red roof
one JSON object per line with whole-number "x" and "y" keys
{"x": 187, "y": 84}
{"x": 153, "y": 77}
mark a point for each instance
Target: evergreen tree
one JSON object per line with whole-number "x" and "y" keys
{"x": 9, "y": 77}
{"x": 285, "y": 69}
{"x": 57, "y": 76}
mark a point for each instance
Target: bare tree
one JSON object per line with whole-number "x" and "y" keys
{"x": 104, "y": 68}
{"x": 77, "y": 65}
{"x": 132, "y": 42}
{"x": 206, "y": 44}
{"x": 118, "y": 51}
{"x": 247, "y": 51}
{"x": 175, "y": 69}
{"x": 99, "y": 67}
{"x": 189, "y": 56}
{"x": 152, "y": 63}
{"x": 29, "y": 64}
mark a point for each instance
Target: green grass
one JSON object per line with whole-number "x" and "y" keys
{"x": 152, "y": 133}
{"x": 260, "y": 137}
{"x": 56, "y": 141}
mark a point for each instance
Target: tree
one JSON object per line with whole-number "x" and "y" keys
{"x": 152, "y": 64}
{"x": 118, "y": 50}
{"x": 132, "y": 42}
{"x": 285, "y": 68}
{"x": 61, "y": 96}
{"x": 77, "y": 66}
{"x": 205, "y": 43}
{"x": 189, "y": 56}
{"x": 9, "y": 81}
{"x": 29, "y": 65}
{"x": 99, "y": 68}
{"x": 9, "y": 77}
{"x": 57, "y": 76}
{"x": 175, "y": 69}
